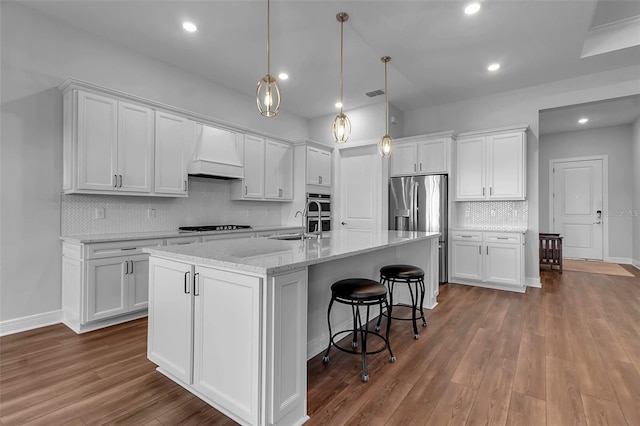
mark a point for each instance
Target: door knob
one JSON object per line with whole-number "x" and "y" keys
{"x": 344, "y": 223}
{"x": 597, "y": 223}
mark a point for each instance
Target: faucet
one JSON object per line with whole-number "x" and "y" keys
{"x": 318, "y": 230}
{"x": 303, "y": 229}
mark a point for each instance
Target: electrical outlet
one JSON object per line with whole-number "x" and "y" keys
{"x": 515, "y": 213}
{"x": 151, "y": 213}
{"x": 100, "y": 213}
{"x": 493, "y": 213}
{"x": 466, "y": 213}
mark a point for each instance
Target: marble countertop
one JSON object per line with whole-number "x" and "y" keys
{"x": 484, "y": 229}
{"x": 103, "y": 238}
{"x": 264, "y": 255}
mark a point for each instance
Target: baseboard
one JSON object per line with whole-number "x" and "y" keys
{"x": 622, "y": 260}
{"x": 18, "y": 325}
{"x": 533, "y": 282}
{"x": 636, "y": 263}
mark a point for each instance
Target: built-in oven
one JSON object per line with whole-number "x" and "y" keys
{"x": 312, "y": 223}
{"x": 324, "y": 200}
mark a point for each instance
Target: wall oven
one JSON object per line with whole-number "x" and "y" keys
{"x": 324, "y": 201}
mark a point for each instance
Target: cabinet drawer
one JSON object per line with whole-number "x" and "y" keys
{"x": 119, "y": 248}
{"x": 502, "y": 237}
{"x": 180, "y": 241}
{"x": 466, "y": 236}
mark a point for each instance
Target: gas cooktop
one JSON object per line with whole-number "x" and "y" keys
{"x": 212, "y": 228}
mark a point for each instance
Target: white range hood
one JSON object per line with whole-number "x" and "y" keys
{"x": 218, "y": 153}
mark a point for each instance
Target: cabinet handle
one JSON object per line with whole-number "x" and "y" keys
{"x": 420, "y": 166}
{"x": 479, "y": 249}
{"x": 186, "y": 286}
{"x": 128, "y": 248}
{"x": 483, "y": 191}
{"x": 466, "y": 236}
{"x": 126, "y": 267}
{"x": 319, "y": 179}
{"x": 115, "y": 181}
{"x": 502, "y": 238}
{"x": 196, "y": 282}
{"x": 185, "y": 186}
{"x": 279, "y": 192}
{"x": 245, "y": 190}
{"x": 491, "y": 190}
{"x": 120, "y": 186}
{"x": 415, "y": 168}
{"x": 131, "y": 266}
{"x": 487, "y": 250}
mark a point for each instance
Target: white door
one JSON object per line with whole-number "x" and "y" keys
{"x": 577, "y": 206}
{"x": 360, "y": 188}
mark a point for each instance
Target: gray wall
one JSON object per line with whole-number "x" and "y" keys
{"x": 636, "y": 192}
{"x": 39, "y": 53}
{"x": 616, "y": 143}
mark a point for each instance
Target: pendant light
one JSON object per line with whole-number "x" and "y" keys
{"x": 384, "y": 146}
{"x": 341, "y": 124}
{"x": 268, "y": 90}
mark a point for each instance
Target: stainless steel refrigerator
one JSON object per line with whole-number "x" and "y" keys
{"x": 420, "y": 203}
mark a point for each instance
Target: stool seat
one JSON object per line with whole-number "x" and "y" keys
{"x": 358, "y": 289}
{"x": 402, "y": 271}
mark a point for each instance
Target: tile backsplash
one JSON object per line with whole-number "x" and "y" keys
{"x": 209, "y": 202}
{"x": 493, "y": 215}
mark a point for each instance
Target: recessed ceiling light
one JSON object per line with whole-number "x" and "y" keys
{"x": 493, "y": 67}
{"x": 472, "y": 8}
{"x": 189, "y": 26}
{"x": 338, "y": 104}
{"x": 283, "y": 76}
{"x": 583, "y": 120}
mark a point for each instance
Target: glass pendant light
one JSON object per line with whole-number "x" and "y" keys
{"x": 384, "y": 146}
{"x": 268, "y": 90}
{"x": 341, "y": 124}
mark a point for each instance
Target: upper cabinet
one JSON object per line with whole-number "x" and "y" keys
{"x": 491, "y": 165}
{"x": 420, "y": 155}
{"x": 268, "y": 171}
{"x": 171, "y": 170}
{"x": 318, "y": 166}
{"x": 114, "y": 145}
{"x": 108, "y": 145}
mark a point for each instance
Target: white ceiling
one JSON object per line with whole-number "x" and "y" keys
{"x": 612, "y": 112}
{"x": 439, "y": 54}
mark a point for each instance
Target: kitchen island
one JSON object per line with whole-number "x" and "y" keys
{"x": 235, "y": 321}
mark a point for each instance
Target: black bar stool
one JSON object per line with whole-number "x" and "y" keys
{"x": 409, "y": 274}
{"x": 359, "y": 292}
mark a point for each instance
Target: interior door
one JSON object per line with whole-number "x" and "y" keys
{"x": 360, "y": 188}
{"x": 578, "y": 207}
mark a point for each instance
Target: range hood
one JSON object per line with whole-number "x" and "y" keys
{"x": 218, "y": 153}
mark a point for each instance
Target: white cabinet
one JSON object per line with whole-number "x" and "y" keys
{"x": 421, "y": 155}
{"x": 108, "y": 144}
{"x": 104, "y": 283}
{"x": 210, "y": 332}
{"x": 495, "y": 259}
{"x": 318, "y": 166}
{"x": 253, "y": 182}
{"x": 491, "y": 165}
{"x": 278, "y": 171}
{"x": 172, "y": 132}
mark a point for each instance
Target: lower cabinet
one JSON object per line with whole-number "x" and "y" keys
{"x": 492, "y": 258}
{"x": 212, "y": 332}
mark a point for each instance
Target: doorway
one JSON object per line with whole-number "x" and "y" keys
{"x": 578, "y": 203}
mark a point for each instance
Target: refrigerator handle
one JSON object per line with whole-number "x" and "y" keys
{"x": 416, "y": 216}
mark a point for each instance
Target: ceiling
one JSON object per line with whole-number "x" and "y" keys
{"x": 439, "y": 54}
{"x": 611, "y": 112}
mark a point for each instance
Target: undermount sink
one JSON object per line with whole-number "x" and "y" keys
{"x": 292, "y": 237}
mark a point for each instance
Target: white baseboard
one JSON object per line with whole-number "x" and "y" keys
{"x": 29, "y": 323}
{"x": 636, "y": 263}
{"x": 623, "y": 260}
{"x": 533, "y": 282}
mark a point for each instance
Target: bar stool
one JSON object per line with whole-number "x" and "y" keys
{"x": 409, "y": 274}
{"x": 359, "y": 292}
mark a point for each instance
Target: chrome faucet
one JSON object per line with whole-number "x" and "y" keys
{"x": 303, "y": 229}
{"x": 318, "y": 230}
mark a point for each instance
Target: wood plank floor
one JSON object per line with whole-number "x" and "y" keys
{"x": 566, "y": 354}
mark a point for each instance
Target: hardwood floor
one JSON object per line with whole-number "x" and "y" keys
{"x": 566, "y": 354}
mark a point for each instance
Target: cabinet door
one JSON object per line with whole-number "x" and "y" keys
{"x": 467, "y": 260}
{"x": 138, "y": 276}
{"x": 170, "y": 171}
{"x": 506, "y": 166}
{"x": 97, "y": 142}
{"x": 227, "y": 358}
{"x": 278, "y": 171}
{"x": 470, "y": 169}
{"x": 432, "y": 156}
{"x": 313, "y": 166}
{"x": 135, "y": 147}
{"x": 253, "y": 167}
{"x": 170, "y": 342}
{"x": 325, "y": 168}
{"x": 403, "y": 160}
{"x": 502, "y": 263}
{"x": 107, "y": 289}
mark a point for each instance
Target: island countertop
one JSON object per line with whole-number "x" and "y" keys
{"x": 265, "y": 256}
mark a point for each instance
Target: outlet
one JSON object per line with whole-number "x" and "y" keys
{"x": 466, "y": 213}
{"x": 100, "y": 213}
{"x": 493, "y": 213}
{"x": 151, "y": 213}
{"x": 515, "y": 213}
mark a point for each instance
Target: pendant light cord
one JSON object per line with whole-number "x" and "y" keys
{"x": 268, "y": 37}
{"x": 386, "y": 100}
{"x": 341, "y": 60}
